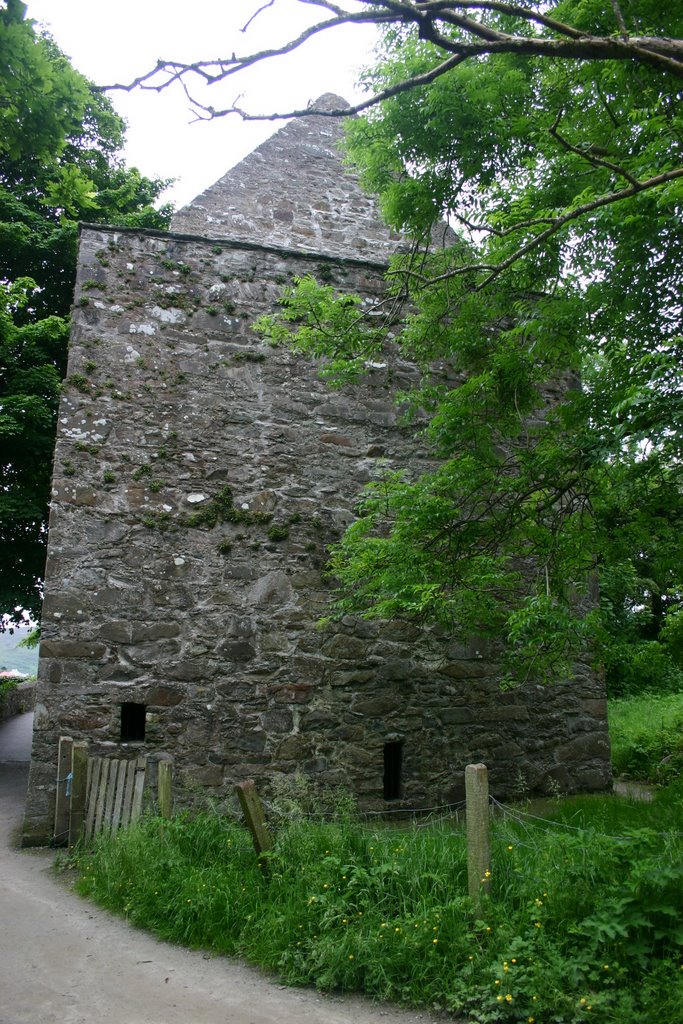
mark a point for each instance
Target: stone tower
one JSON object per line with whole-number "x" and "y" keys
{"x": 199, "y": 477}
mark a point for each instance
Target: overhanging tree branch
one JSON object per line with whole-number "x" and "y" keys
{"x": 451, "y": 25}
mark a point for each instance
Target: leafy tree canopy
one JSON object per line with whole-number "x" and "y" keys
{"x": 563, "y": 179}
{"x": 59, "y": 145}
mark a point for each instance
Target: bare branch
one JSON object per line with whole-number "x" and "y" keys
{"x": 514, "y": 10}
{"x": 476, "y": 40}
{"x": 619, "y": 17}
{"x": 587, "y": 154}
{"x": 394, "y": 90}
{"x": 263, "y": 7}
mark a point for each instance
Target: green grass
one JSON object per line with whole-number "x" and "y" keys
{"x": 647, "y": 736}
{"x": 581, "y": 925}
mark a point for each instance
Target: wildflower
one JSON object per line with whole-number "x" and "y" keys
{"x": 508, "y": 998}
{"x": 472, "y": 958}
{"x": 350, "y": 956}
{"x": 582, "y": 1002}
{"x": 514, "y": 960}
{"x": 497, "y": 981}
{"x": 383, "y": 924}
{"x": 537, "y": 924}
{"x": 605, "y": 967}
{"x": 326, "y": 886}
{"x": 499, "y": 998}
{"x": 397, "y": 929}
{"x": 531, "y": 1020}
{"x": 487, "y": 874}
{"x": 510, "y": 847}
{"x": 434, "y": 941}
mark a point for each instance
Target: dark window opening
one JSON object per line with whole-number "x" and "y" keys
{"x": 133, "y": 720}
{"x": 393, "y": 763}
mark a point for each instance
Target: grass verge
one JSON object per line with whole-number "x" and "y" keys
{"x": 647, "y": 736}
{"x": 581, "y": 925}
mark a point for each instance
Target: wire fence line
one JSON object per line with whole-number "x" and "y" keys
{"x": 418, "y": 818}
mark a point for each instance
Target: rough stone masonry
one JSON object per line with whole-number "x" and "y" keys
{"x": 199, "y": 477}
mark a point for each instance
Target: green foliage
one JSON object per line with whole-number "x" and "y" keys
{"x": 580, "y": 925}
{"x": 562, "y": 181}
{"x": 646, "y": 733}
{"x": 221, "y": 508}
{"x": 7, "y": 686}
{"x": 59, "y": 163}
{"x": 30, "y": 361}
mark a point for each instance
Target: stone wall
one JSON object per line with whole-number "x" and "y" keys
{"x": 199, "y": 476}
{"x": 17, "y": 701}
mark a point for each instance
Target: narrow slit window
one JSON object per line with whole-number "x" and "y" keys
{"x": 133, "y": 720}
{"x": 393, "y": 764}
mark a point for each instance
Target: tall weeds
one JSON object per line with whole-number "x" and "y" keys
{"x": 580, "y": 926}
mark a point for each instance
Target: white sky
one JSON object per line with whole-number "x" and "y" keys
{"x": 117, "y": 41}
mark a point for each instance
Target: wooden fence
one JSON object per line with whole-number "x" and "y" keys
{"x": 97, "y": 793}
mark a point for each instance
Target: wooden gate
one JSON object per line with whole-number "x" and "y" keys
{"x": 96, "y": 793}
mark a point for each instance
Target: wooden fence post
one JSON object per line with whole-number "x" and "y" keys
{"x": 79, "y": 780}
{"x": 478, "y": 819}
{"x": 164, "y": 792}
{"x": 252, "y": 809}
{"x": 63, "y": 793}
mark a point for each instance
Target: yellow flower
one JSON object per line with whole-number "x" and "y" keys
{"x": 605, "y": 967}
{"x": 487, "y": 874}
{"x": 582, "y": 1002}
{"x": 350, "y": 956}
{"x": 434, "y": 941}
{"x": 397, "y": 929}
{"x": 514, "y": 960}
{"x": 537, "y": 924}
{"x": 499, "y": 998}
{"x": 508, "y": 998}
{"x": 497, "y": 981}
{"x": 510, "y": 847}
{"x": 531, "y": 1020}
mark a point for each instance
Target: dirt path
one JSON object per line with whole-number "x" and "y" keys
{"x": 63, "y": 961}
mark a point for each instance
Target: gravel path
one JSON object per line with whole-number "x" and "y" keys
{"x": 64, "y": 961}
